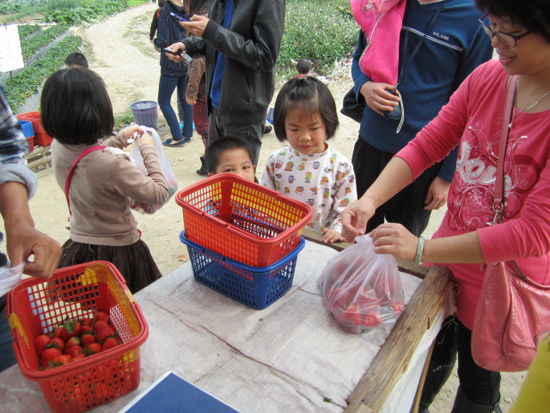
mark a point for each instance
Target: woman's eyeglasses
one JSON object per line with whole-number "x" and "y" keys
{"x": 508, "y": 39}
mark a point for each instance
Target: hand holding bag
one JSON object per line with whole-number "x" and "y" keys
{"x": 362, "y": 289}
{"x": 513, "y": 312}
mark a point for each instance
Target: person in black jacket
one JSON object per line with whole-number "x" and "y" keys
{"x": 241, "y": 41}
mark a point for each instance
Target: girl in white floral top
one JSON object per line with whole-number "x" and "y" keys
{"x": 308, "y": 169}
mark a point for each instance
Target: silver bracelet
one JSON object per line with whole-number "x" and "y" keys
{"x": 419, "y": 251}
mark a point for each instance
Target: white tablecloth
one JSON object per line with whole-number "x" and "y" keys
{"x": 292, "y": 356}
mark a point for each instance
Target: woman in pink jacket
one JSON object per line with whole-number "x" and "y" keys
{"x": 465, "y": 241}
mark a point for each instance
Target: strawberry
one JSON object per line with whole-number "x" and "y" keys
{"x": 56, "y": 343}
{"x": 73, "y": 341}
{"x": 87, "y": 339}
{"x": 85, "y": 321}
{"x": 49, "y": 354}
{"x": 72, "y": 328}
{"x": 109, "y": 342}
{"x": 398, "y": 307}
{"x": 85, "y": 329}
{"x": 372, "y": 320}
{"x": 92, "y": 348}
{"x": 101, "y": 316}
{"x": 40, "y": 343}
{"x": 74, "y": 351}
{"x": 59, "y": 332}
{"x": 60, "y": 360}
{"x": 79, "y": 357}
{"x": 353, "y": 315}
{"x": 103, "y": 331}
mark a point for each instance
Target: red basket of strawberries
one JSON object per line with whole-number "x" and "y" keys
{"x": 78, "y": 335}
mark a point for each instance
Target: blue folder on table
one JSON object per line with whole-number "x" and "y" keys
{"x": 172, "y": 393}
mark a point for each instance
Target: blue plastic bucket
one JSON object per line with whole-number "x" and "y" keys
{"x": 145, "y": 113}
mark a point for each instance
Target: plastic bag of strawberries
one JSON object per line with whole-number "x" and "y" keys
{"x": 362, "y": 289}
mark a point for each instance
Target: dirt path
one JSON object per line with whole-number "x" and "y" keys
{"x": 120, "y": 51}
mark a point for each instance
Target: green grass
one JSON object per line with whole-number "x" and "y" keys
{"x": 319, "y": 30}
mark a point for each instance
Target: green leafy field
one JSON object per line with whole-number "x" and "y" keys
{"x": 323, "y": 31}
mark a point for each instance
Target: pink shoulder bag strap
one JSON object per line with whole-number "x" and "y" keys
{"x": 498, "y": 201}
{"x": 70, "y": 175}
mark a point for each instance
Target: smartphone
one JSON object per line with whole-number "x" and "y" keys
{"x": 179, "y": 52}
{"x": 177, "y": 16}
{"x": 186, "y": 58}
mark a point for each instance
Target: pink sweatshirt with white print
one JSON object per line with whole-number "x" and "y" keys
{"x": 473, "y": 119}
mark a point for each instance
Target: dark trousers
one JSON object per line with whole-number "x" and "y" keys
{"x": 479, "y": 385}
{"x": 251, "y": 132}
{"x": 407, "y": 206}
{"x": 167, "y": 85}
{"x": 200, "y": 113}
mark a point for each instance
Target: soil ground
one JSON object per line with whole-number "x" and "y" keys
{"x": 119, "y": 50}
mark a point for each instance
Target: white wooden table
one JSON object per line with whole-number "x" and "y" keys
{"x": 291, "y": 356}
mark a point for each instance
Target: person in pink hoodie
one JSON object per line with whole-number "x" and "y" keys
{"x": 467, "y": 241}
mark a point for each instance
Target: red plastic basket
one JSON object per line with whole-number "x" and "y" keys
{"x": 36, "y": 306}
{"x": 41, "y": 138}
{"x": 242, "y": 220}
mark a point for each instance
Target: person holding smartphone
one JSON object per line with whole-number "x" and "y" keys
{"x": 241, "y": 41}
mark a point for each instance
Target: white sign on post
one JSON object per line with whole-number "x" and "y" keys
{"x": 11, "y": 57}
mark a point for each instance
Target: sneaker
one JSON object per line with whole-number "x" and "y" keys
{"x": 187, "y": 140}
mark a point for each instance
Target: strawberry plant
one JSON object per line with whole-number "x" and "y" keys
{"x": 39, "y": 40}
{"x": 25, "y": 30}
{"x": 27, "y": 82}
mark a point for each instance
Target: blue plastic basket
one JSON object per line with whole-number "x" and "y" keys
{"x": 256, "y": 287}
{"x": 26, "y": 127}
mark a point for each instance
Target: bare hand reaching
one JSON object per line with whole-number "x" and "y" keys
{"x": 355, "y": 218}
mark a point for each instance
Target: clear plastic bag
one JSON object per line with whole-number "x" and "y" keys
{"x": 167, "y": 171}
{"x": 10, "y": 277}
{"x": 363, "y": 289}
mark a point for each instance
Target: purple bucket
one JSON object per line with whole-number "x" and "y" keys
{"x": 145, "y": 113}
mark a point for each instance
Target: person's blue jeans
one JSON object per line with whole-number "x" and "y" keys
{"x": 7, "y": 354}
{"x": 167, "y": 85}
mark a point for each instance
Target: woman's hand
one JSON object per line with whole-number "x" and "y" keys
{"x": 396, "y": 240}
{"x": 378, "y": 98}
{"x": 190, "y": 100}
{"x": 355, "y": 218}
{"x": 196, "y": 25}
{"x": 331, "y": 236}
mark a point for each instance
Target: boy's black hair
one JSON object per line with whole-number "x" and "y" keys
{"x": 304, "y": 66}
{"x": 533, "y": 14}
{"x": 307, "y": 93}
{"x": 216, "y": 148}
{"x": 76, "y": 60}
{"x": 76, "y": 108}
